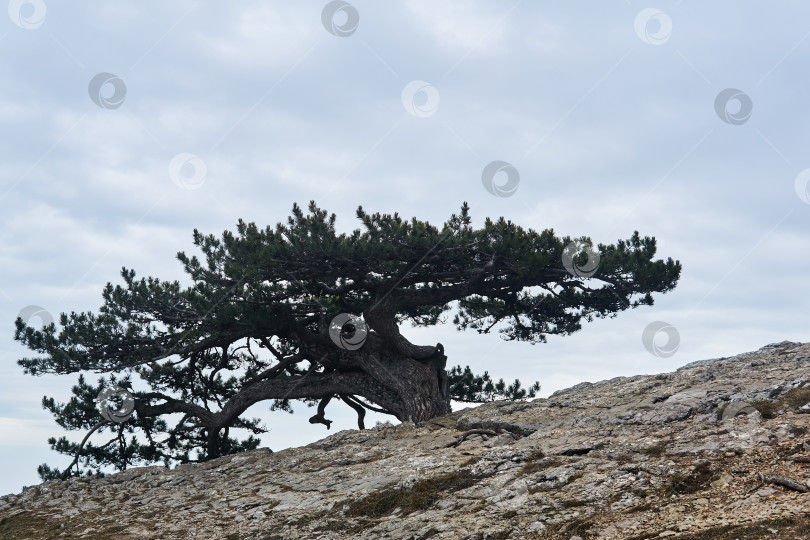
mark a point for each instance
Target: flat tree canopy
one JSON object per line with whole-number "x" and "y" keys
{"x": 298, "y": 312}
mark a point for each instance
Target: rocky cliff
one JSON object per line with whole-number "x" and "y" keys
{"x": 717, "y": 449}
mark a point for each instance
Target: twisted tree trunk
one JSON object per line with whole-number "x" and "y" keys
{"x": 421, "y": 386}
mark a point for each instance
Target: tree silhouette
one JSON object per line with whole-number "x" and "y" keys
{"x": 255, "y": 324}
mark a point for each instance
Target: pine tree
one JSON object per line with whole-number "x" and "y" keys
{"x": 298, "y": 312}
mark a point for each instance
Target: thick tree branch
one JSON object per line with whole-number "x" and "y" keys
{"x": 358, "y": 408}
{"x": 79, "y": 450}
{"x": 172, "y": 406}
{"x": 310, "y": 385}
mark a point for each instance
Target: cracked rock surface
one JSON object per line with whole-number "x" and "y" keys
{"x": 688, "y": 454}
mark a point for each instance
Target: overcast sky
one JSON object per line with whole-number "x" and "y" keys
{"x": 126, "y": 126}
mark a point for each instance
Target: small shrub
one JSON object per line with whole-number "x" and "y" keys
{"x": 29, "y": 525}
{"x": 797, "y": 431}
{"x": 491, "y": 535}
{"x": 535, "y": 454}
{"x": 622, "y": 457}
{"x": 788, "y": 527}
{"x": 721, "y": 409}
{"x": 536, "y": 466}
{"x": 643, "y": 507}
{"x": 579, "y": 526}
{"x": 700, "y": 478}
{"x": 638, "y": 492}
{"x": 417, "y": 497}
{"x": 796, "y": 397}
{"x": 765, "y": 407}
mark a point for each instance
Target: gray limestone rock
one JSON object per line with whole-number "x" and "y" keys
{"x": 631, "y": 457}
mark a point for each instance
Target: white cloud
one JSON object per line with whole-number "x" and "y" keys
{"x": 460, "y": 27}
{"x": 258, "y": 37}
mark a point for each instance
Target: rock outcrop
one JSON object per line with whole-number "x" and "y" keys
{"x": 717, "y": 449}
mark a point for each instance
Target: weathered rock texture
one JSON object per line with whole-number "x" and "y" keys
{"x": 633, "y": 457}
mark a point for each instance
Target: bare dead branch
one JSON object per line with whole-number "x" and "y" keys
{"x": 461, "y": 438}
{"x": 319, "y": 418}
{"x": 358, "y": 408}
{"x": 790, "y": 484}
